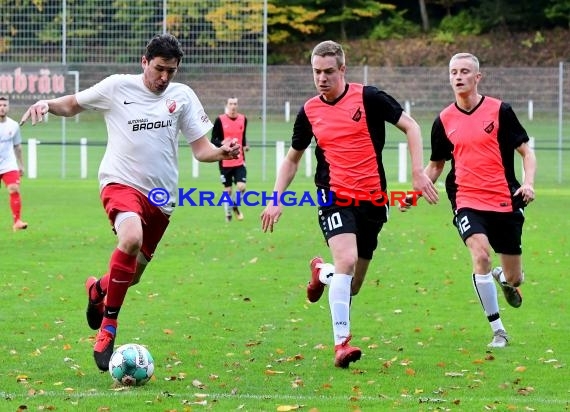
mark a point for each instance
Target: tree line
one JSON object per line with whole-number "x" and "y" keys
{"x": 213, "y": 24}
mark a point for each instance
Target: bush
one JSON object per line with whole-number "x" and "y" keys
{"x": 464, "y": 23}
{"x": 395, "y": 27}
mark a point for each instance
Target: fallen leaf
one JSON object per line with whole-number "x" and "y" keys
{"x": 197, "y": 384}
{"x": 285, "y": 408}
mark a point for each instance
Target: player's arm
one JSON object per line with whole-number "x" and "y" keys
{"x": 244, "y": 141}
{"x": 434, "y": 169}
{"x": 518, "y": 135}
{"x": 205, "y": 151}
{"x": 217, "y": 133}
{"x": 421, "y": 182}
{"x": 287, "y": 171}
{"x": 300, "y": 141}
{"x": 529, "y": 167}
{"x": 66, "y": 106}
{"x": 19, "y": 158}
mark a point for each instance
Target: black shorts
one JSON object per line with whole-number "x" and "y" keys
{"x": 231, "y": 175}
{"x": 365, "y": 220}
{"x": 503, "y": 229}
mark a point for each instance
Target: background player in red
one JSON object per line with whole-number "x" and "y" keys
{"x": 480, "y": 134}
{"x": 11, "y": 161}
{"x": 227, "y": 126}
{"x": 347, "y": 121}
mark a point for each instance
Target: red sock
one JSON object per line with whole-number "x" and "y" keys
{"x": 121, "y": 272}
{"x": 15, "y": 205}
{"x": 99, "y": 291}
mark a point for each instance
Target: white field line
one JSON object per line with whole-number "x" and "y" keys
{"x": 111, "y": 393}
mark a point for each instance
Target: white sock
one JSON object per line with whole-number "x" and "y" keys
{"x": 227, "y": 209}
{"x": 326, "y": 273}
{"x": 487, "y": 292}
{"x": 502, "y": 278}
{"x": 339, "y": 302}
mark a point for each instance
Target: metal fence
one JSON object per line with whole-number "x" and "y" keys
{"x": 542, "y": 90}
{"x": 539, "y": 96}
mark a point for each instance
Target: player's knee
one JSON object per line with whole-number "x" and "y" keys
{"x": 481, "y": 255}
{"x": 345, "y": 264}
{"x": 13, "y": 188}
{"x": 483, "y": 259}
{"x": 130, "y": 244}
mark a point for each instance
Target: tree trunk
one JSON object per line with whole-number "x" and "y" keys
{"x": 342, "y": 26}
{"x": 423, "y": 12}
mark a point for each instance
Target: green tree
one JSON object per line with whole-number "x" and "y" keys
{"x": 447, "y": 4}
{"x": 513, "y": 15}
{"x": 20, "y": 21}
{"x": 287, "y": 21}
{"x": 341, "y": 14}
{"x": 559, "y": 10}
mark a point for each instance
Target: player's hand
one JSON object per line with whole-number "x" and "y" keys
{"x": 269, "y": 217}
{"x": 231, "y": 149}
{"x": 36, "y": 112}
{"x": 527, "y": 193}
{"x": 423, "y": 184}
{"x": 408, "y": 203}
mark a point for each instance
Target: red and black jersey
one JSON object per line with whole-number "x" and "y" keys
{"x": 350, "y": 135}
{"x": 481, "y": 145}
{"x": 226, "y": 127}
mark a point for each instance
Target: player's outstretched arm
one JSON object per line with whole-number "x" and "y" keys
{"x": 62, "y": 106}
{"x": 433, "y": 170}
{"x": 206, "y": 151}
{"x": 271, "y": 214}
{"x": 420, "y": 181}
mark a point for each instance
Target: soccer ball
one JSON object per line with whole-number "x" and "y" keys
{"x": 131, "y": 365}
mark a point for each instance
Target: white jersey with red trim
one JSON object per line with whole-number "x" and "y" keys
{"x": 142, "y": 129}
{"x": 9, "y": 137}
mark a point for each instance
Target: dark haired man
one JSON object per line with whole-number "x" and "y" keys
{"x": 144, "y": 114}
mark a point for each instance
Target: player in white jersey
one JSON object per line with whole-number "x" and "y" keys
{"x": 144, "y": 114}
{"x": 11, "y": 162}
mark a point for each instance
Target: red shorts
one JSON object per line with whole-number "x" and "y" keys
{"x": 118, "y": 198}
{"x": 10, "y": 178}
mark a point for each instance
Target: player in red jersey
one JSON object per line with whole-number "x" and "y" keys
{"x": 480, "y": 134}
{"x": 228, "y": 126}
{"x": 347, "y": 121}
